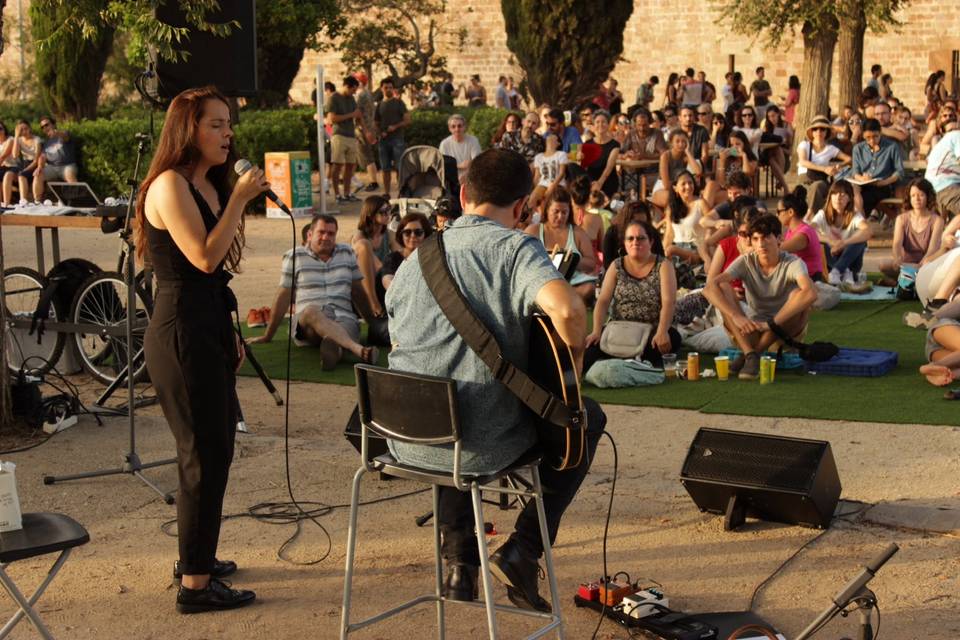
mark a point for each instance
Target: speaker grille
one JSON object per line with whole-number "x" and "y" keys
{"x": 749, "y": 459}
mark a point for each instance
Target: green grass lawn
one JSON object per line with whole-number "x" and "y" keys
{"x": 901, "y": 396}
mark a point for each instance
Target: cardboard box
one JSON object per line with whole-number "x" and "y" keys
{"x": 288, "y": 173}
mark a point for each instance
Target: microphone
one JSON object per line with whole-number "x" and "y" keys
{"x": 242, "y": 166}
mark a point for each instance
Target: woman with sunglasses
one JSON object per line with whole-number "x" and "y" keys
{"x": 412, "y": 230}
{"x": 852, "y": 133}
{"x": 639, "y": 286}
{"x": 732, "y": 247}
{"x": 818, "y": 161}
{"x": 936, "y": 126}
{"x": 373, "y": 242}
{"x": 745, "y": 120}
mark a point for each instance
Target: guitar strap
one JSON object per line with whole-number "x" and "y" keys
{"x": 436, "y": 272}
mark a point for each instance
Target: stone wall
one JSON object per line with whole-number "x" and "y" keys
{"x": 668, "y": 35}
{"x": 661, "y": 36}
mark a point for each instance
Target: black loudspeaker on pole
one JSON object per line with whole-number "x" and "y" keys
{"x": 229, "y": 62}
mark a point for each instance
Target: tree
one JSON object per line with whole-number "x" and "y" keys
{"x": 855, "y": 17}
{"x": 566, "y": 48}
{"x": 818, "y": 25}
{"x": 401, "y": 35}
{"x": 69, "y": 66}
{"x": 285, "y": 28}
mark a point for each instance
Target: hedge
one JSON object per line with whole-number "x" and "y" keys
{"x": 108, "y": 149}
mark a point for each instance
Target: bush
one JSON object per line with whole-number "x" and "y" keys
{"x": 429, "y": 126}
{"x": 10, "y": 112}
{"x": 108, "y": 149}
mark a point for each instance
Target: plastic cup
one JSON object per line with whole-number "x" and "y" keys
{"x": 670, "y": 365}
{"x": 722, "y": 363}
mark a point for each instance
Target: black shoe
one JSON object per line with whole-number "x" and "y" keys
{"x": 461, "y": 582}
{"x": 737, "y": 363}
{"x": 214, "y": 597}
{"x": 221, "y": 569}
{"x": 373, "y": 186}
{"x": 519, "y": 573}
{"x": 751, "y": 367}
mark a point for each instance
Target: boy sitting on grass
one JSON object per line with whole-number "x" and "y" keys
{"x": 777, "y": 290}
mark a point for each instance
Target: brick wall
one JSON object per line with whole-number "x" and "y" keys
{"x": 657, "y": 42}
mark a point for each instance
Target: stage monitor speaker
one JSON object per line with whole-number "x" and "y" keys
{"x": 768, "y": 477}
{"x": 229, "y": 63}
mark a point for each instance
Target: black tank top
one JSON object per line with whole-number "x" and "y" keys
{"x": 169, "y": 263}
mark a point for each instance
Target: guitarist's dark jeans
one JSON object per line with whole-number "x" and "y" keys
{"x": 559, "y": 488}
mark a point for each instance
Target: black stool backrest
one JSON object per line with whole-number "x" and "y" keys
{"x": 409, "y": 407}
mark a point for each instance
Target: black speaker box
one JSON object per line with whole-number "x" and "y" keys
{"x": 229, "y": 63}
{"x": 768, "y": 477}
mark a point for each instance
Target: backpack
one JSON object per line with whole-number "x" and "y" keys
{"x": 63, "y": 281}
{"x": 906, "y": 288}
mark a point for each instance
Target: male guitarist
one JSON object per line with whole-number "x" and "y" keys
{"x": 503, "y": 275}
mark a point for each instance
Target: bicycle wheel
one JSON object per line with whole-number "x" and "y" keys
{"x": 22, "y": 288}
{"x": 102, "y": 300}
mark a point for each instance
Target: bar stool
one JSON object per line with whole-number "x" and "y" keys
{"x": 422, "y": 409}
{"x": 42, "y": 533}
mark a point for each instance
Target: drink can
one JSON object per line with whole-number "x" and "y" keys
{"x": 765, "y": 375}
{"x": 693, "y": 366}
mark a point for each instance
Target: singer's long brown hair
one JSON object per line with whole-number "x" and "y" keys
{"x": 177, "y": 150}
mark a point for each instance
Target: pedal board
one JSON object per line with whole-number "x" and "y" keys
{"x": 667, "y": 625}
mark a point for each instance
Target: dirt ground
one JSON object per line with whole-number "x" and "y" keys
{"x": 119, "y": 585}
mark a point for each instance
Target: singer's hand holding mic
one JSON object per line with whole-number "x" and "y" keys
{"x": 252, "y": 179}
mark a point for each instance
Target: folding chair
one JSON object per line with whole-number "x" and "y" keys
{"x": 422, "y": 409}
{"x": 42, "y": 533}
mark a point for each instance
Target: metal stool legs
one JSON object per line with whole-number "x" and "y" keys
{"x": 488, "y": 603}
{"x": 26, "y": 605}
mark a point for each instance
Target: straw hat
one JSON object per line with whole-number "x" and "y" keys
{"x": 818, "y": 122}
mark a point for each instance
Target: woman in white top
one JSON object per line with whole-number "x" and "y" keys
{"x": 8, "y": 161}
{"x": 683, "y": 235}
{"x": 776, "y": 129}
{"x": 26, "y": 147}
{"x": 845, "y": 233}
{"x": 818, "y": 161}
{"x": 745, "y": 120}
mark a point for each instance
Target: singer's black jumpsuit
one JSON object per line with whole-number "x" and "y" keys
{"x": 191, "y": 354}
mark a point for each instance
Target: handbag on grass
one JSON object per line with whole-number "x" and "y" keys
{"x": 625, "y": 338}
{"x": 813, "y": 352}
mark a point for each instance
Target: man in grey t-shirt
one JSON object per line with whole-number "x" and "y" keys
{"x": 342, "y": 113}
{"x": 503, "y": 275}
{"x": 777, "y": 288}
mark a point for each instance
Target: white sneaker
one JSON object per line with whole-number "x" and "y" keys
{"x": 848, "y": 278}
{"x": 834, "y": 278}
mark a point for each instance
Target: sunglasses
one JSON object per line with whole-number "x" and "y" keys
{"x": 855, "y": 122}
{"x": 636, "y": 239}
{"x": 552, "y": 123}
{"x": 746, "y": 115}
{"x": 406, "y": 233}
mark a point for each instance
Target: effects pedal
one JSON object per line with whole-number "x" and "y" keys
{"x": 645, "y": 603}
{"x": 589, "y": 592}
{"x": 613, "y": 591}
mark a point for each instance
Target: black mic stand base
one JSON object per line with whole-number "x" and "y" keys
{"x": 131, "y": 465}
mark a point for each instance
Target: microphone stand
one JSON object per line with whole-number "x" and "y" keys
{"x": 856, "y": 592}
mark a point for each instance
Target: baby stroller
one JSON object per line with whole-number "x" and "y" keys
{"x": 425, "y": 176}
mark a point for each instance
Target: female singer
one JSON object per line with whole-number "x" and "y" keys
{"x": 190, "y": 209}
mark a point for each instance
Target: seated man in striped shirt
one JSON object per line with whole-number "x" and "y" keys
{"x": 327, "y": 282}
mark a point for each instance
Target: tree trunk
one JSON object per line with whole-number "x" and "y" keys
{"x": 3, "y": 5}
{"x": 277, "y": 66}
{"x": 853, "y": 25}
{"x": 818, "y": 45}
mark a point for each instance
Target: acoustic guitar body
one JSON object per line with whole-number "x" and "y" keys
{"x": 551, "y": 365}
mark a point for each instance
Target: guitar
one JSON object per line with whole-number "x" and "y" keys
{"x": 551, "y": 365}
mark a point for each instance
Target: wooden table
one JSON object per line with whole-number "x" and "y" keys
{"x": 639, "y": 166}
{"x": 53, "y": 224}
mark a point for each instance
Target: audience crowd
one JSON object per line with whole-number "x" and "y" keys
{"x": 659, "y": 209}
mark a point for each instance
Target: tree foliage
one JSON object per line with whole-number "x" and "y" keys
{"x": 69, "y": 65}
{"x": 401, "y": 35}
{"x": 566, "y": 48}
